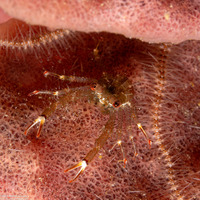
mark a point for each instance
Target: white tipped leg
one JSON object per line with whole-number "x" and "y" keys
{"x": 134, "y": 148}
{"x": 124, "y": 158}
{"x": 139, "y": 125}
{"x": 82, "y": 164}
{"x": 145, "y": 134}
{"x": 119, "y": 143}
{"x": 68, "y": 78}
{"x": 97, "y": 146}
{"x": 41, "y": 120}
{"x": 54, "y": 93}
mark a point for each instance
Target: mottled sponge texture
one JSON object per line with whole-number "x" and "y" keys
{"x": 148, "y": 20}
{"x": 166, "y": 96}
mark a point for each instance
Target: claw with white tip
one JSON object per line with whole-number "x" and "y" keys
{"x": 41, "y": 120}
{"x": 82, "y": 164}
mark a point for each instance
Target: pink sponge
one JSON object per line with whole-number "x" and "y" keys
{"x": 166, "y": 96}
{"x": 165, "y": 81}
{"x": 152, "y": 21}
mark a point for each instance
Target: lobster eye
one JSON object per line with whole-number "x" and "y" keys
{"x": 93, "y": 87}
{"x": 116, "y": 104}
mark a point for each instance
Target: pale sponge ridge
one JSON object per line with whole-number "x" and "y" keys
{"x": 153, "y": 21}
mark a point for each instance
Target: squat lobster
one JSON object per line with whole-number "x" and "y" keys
{"x": 112, "y": 93}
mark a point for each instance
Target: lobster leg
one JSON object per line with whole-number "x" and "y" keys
{"x": 99, "y": 143}
{"x": 41, "y": 119}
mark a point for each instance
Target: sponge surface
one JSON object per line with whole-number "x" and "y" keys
{"x": 148, "y": 20}
{"x": 166, "y": 97}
